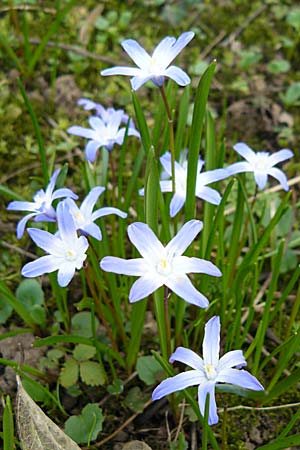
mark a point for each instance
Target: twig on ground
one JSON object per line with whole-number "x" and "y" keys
{"x": 18, "y": 250}
{"x": 124, "y": 425}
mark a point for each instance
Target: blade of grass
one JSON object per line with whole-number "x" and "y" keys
{"x": 38, "y": 134}
{"x": 195, "y": 138}
{"x": 8, "y": 426}
{"x": 47, "y": 36}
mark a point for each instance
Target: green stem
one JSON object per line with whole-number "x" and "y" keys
{"x": 167, "y": 320}
{"x": 171, "y": 129}
{"x": 99, "y": 309}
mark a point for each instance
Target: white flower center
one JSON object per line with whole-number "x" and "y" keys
{"x": 154, "y": 66}
{"x": 261, "y": 163}
{"x": 211, "y": 372}
{"x": 70, "y": 255}
{"x": 164, "y": 267}
{"x": 79, "y": 219}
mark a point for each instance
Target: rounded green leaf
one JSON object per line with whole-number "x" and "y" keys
{"x": 69, "y": 373}
{"x": 91, "y": 373}
{"x": 85, "y": 427}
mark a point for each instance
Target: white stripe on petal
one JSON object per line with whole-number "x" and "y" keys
{"x": 239, "y": 167}
{"x": 176, "y": 48}
{"x": 240, "y": 378}
{"x": 135, "y": 267}
{"x": 45, "y": 264}
{"x": 184, "y": 237}
{"x": 211, "y": 176}
{"x": 143, "y": 238}
{"x": 209, "y": 195}
{"x": 182, "y": 286}
{"x": 139, "y": 80}
{"x": 245, "y": 151}
{"x": 91, "y": 149}
{"x": 187, "y": 356}
{"x": 178, "y": 75}
{"x": 138, "y": 55}
{"x": 143, "y": 287}
{"x": 90, "y": 200}
{"x": 65, "y": 274}
{"x": 176, "y": 203}
{"x": 185, "y": 264}
{"x": 231, "y": 359}
{"x": 203, "y": 390}
{"x": 280, "y": 156}
{"x": 261, "y": 179}
{"x": 211, "y": 342}
{"x": 177, "y": 383}
{"x": 163, "y": 48}
{"x": 45, "y": 240}
{"x": 280, "y": 176}
{"x": 120, "y": 70}
{"x": 107, "y": 211}
{"x": 82, "y": 132}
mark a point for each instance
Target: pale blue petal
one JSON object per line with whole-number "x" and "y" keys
{"x": 97, "y": 124}
{"x": 92, "y": 230}
{"x": 45, "y": 240}
{"x": 176, "y": 203}
{"x": 232, "y": 359}
{"x": 280, "y": 176}
{"x": 138, "y": 55}
{"x": 91, "y": 149}
{"x": 114, "y": 123}
{"x": 119, "y": 138}
{"x": 22, "y": 224}
{"x": 65, "y": 274}
{"x": 135, "y": 267}
{"x": 107, "y": 211}
{"x": 187, "y": 356}
{"x": 176, "y": 383}
{"x": 82, "y": 132}
{"x": 45, "y": 264}
{"x": 133, "y": 132}
{"x": 66, "y": 224}
{"x": 50, "y": 216}
{"x": 182, "y": 286}
{"x": 261, "y": 179}
{"x": 240, "y": 378}
{"x": 209, "y": 195}
{"x": 176, "y": 48}
{"x": 178, "y": 75}
{"x": 211, "y": 342}
{"x": 239, "y": 167}
{"x": 143, "y": 238}
{"x": 21, "y": 206}
{"x": 139, "y": 80}
{"x": 166, "y": 162}
{"x": 90, "y": 200}
{"x": 163, "y": 48}
{"x": 185, "y": 264}
{"x": 203, "y": 390}
{"x": 165, "y": 185}
{"x": 143, "y": 287}
{"x": 64, "y": 192}
{"x": 120, "y": 70}
{"x": 82, "y": 246}
{"x": 184, "y": 237}
{"x": 211, "y": 176}
{"x": 142, "y": 191}
{"x": 280, "y": 156}
{"x": 52, "y": 182}
{"x": 245, "y": 151}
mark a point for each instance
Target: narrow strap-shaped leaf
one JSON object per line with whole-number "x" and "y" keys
{"x": 195, "y": 138}
{"x": 142, "y": 124}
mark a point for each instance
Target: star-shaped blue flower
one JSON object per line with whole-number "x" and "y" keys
{"x": 208, "y": 371}
{"x": 155, "y": 67}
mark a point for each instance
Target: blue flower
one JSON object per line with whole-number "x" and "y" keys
{"x": 104, "y": 113}
{"x": 155, "y": 67}
{"x": 41, "y": 208}
{"x": 209, "y": 371}
{"x": 103, "y": 134}
{"x": 201, "y": 190}
{"x": 84, "y": 216}
{"x": 66, "y": 251}
{"x": 161, "y": 265}
{"x": 261, "y": 164}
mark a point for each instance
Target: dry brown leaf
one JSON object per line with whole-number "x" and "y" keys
{"x": 36, "y": 430}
